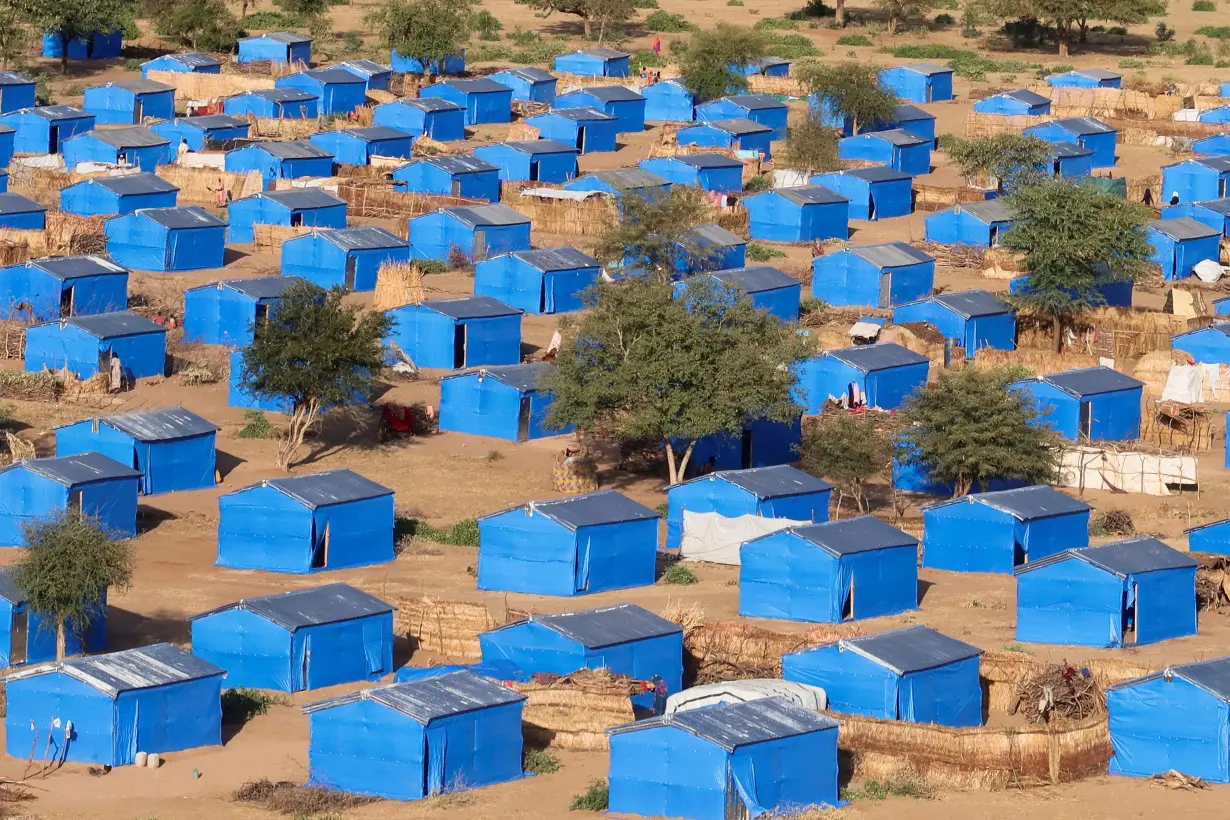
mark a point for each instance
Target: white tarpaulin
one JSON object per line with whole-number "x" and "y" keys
{"x": 788, "y": 178}
{"x": 1207, "y": 270}
{"x": 48, "y": 162}
{"x": 558, "y": 193}
{"x": 193, "y": 159}
{"x": 809, "y": 697}
{"x": 716, "y": 538}
{"x": 1088, "y": 468}
{"x": 1185, "y": 384}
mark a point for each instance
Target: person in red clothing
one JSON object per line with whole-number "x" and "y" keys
{"x": 657, "y": 45}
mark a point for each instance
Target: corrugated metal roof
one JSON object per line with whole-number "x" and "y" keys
{"x": 781, "y": 481}
{"x": 432, "y": 104}
{"x": 628, "y": 179}
{"x": 76, "y": 267}
{"x": 707, "y": 160}
{"x": 146, "y": 667}
{"x": 9, "y": 591}
{"x": 460, "y": 164}
{"x": 471, "y": 307}
{"x": 83, "y": 468}
{"x": 159, "y": 424}
{"x": 585, "y": 114}
{"x": 876, "y": 173}
{"x": 478, "y": 216}
{"x": 475, "y": 85}
{"x": 288, "y": 37}
{"x": 1091, "y": 381}
{"x": 592, "y": 509}
{"x": 368, "y": 68}
{"x": 972, "y": 303}
{"x": 209, "y": 122}
{"x": 1220, "y": 523}
{"x": 850, "y": 536}
{"x": 1212, "y": 676}
{"x": 604, "y": 53}
{"x": 13, "y": 78}
{"x": 767, "y": 61}
{"x": 927, "y": 68}
{"x": 988, "y": 211}
{"x": 607, "y": 626}
{"x": 193, "y": 59}
{"x": 331, "y": 76}
{"x": 1183, "y": 227}
{"x": 184, "y": 216}
{"x": 1096, "y": 73}
{"x": 301, "y": 199}
{"x": 1064, "y": 150}
{"x": 910, "y": 649}
{"x": 891, "y": 254}
{"x": 1030, "y": 503}
{"x": 712, "y": 236}
{"x": 1026, "y": 96}
{"x": 1083, "y": 125}
{"x": 1217, "y": 206}
{"x": 755, "y": 278}
{"x": 324, "y": 489}
{"x": 128, "y": 184}
{"x": 260, "y": 287}
{"x": 429, "y": 699}
{"x": 57, "y": 112}
{"x": 18, "y": 204}
{"x": 108, "y": 325}
{"x": 755, "y": 102}
{"x": 376, "y": 133}
{"x": 138, "y": 86}
{"x": 557, "y": 259}
{"x": 737, "y": 126}
{"x": 138, "y": 136}
{"x": 910, "y": 113}
{"x": 364, "y": 237}
{"x": 294, "y": 149}
{"x": 529, "y": 74}
{"x": 1133, "y": 556}
{"x": 808, "y": 195}
{"x": 1219, "y": 164}
{"x": 524, "y": 378}
{"x": 299, "y": 608}
{"x": 731, "y": 725}
{"x": 898, "y": 136}
{"x": 542, "y": 146}
{"x": 611, "y": 93}
{"x": 280, "y": 95}
{"x": 881, "y": 356}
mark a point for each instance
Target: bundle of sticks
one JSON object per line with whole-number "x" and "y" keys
{"x": 1059, "y": 694}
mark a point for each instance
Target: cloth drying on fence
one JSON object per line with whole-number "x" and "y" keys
{"x": 716, "y": 538}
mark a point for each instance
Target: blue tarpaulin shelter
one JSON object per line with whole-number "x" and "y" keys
{"x": 189, "y": 62}
{"x": 7, "y": 136}
{"x": 1132, "y": 592}
{"x": 905, "y": 116}
{"x": 433, "y": 117}
{"x": 974, "y": 319}
{"x": 539, "y": 160}
{"x": 878, "y": 192}
{"x": 710, "y": 247}
{"x": 16, "y": 91}
{"x": 1070, "y": 161}
{"x": 669, "y": 101}
{"x": 830, "y": 572}
{"x": 764, "y": 67}
{"x": 135, "y": 146}
{"x": 348, "y": 258}
{"x": 761, "y": 443}
{"x": 802, "y": 214}
{"x": 897, "y": 149}
{"x": 464, "y": 331}
{"x": 274, "y": 103}
{"x": 173, "y": 448}
{"x": 1195, "y": 180}
{"x": 1086, "y": 78}
{"x": 311, "y": 523}
{"x": 545, "y": 280}
{"x": 1213, "y": 538}
{"x": 1216, "y": 145}
{"x": 276, "y": 47}
{"x": 28, "y": 636}
{"x": 918, "y": 82}
{"x": 1083, "y": 131}
{"x": 154, "y": 699}
{"x": 298, "y": 640}
{"x": 198, "y": 132}
{"x": 1209, "y": 345}
{"x": 1173, "y": 720}
{"x": 41, "y": 488}
{"x": 281, "y": 160}
{"x": 357, "y": 146}
{"x": 476, "y": 232}
{"x": 1114, "y": 292}
{"x": 99, "y": 45}
{"x": 709, "y": 172}
{"x": 1019, "y": 102}
{"x": 569, "y": 546}
{"x": 1214, "y": 213}
{"x": 1088, "y": 404}
{"x": 621, "y": 182}
{"x": 880, "y": 375}
{"x": 62, "y": 286}
{"x": 501, "y": 402}
{"x": 586, "y": 129}
{"x": 129, "y": 102}
{"x": 485, "y": 101}
{"x": 759, "y": 108}
{"x": 113, "y": 195}
{"x": 879, "y": 276}
{"x": 86, "y": 345}
{"x": 296, "y": 207}
{"x": 998, "y": 531}
{"x": 20, "y": 213}
{"x": 238, "y": 395}
{"x": 528, "y": 84}
{"x": 624, "y": 104}
{"x": 408, "y": 741}
{"x": 594, "y": 62}
{"x": 980, "y": 224}
{"x": 451, "y": 175}
{"x": 453, "y": 65}
{"x": 339, "y": 91}
{"x": 41, "y": 130}
{"x": 768, "y": 289}
{"x": 731, "y": 760}
{"x": 167, "y": 239}
{"x": 375, "y": 77}
{"x": 227, "y": 312}
{"x": 737, "y": 135}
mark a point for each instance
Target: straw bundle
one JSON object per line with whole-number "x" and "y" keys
{"x": 270, "y": 237}
{"x": 574, "y": 711}
{"x": 382, "y": 201}
{"x": 733, "y": 650}
{"x": 13, "y": 335}
{"x": 591, "y": 216}
{"x": 283, "y": 129}
{"x": 376, "y": 96}
{"x": 449, "y": 628}
{"x": 1002, "y": 263}
{"x": 42, "y": 386}
{"x": 16, "y": 246}
{"x": 362, "y": 173}
{"x": 405, "y": 85}
{"x": 785, "y": 86}
{"x": 1202, "y": 102}
{"x": 199, "y": 186}
{"x": 1003, "y": 672}
{"x": 398, "y": 284}
{"x": 1212, "y": 582}
{"x": 1037, "y": 362}
{"x": 1224, "y": 252}
{"x": 209, "y": 86}
{"x": 425, "y": 146}
{"x": 518, "y": 131}
{"x": 1154, "y": 368}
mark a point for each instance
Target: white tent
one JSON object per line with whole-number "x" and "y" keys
{"x": 741, "y": 691}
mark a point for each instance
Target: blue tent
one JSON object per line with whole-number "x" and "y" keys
{"x": 499, "y": 670}
{"x": 1089, "y": 404}
{"x": 1216, "y": 145}
{"x": 1195, "y": 180}
{"x": 1209, "y": 345}
{"x": 759, "y": 108}
{"x": 347, "y": 258}
{"x": 528, "y": 84}
{"x": 228, "y": 312}
{"x": 310, "y": 523}
{"x": 41, "y": 130}
{"x": 1070, "y": 161}
{"x": 86, "y": 344}
{"x": 171, "y": 447}
{"x": 980, "y": 224}
{"x": 135, "y": 146}
{"x": 897, "y": 149}
{"x": 167, "y": 239}
{"x": 669, "y": 101}
{"x": 875, "y": 275}
{"x": 295, "y": 207}
{"x": 454, "y": 64}
{"x": 277, "y": 47}
{"x": 761, "y": 443}
{"x": 1212, "y": 538}
{"x": 878, "y": 192}
{"x": 879, "y": 375}
{"x": 198, "y": 132}
{"x": 594, "y": 62}
{"x": 408, "y": 741}
{"x": 570, "y": 546}
{"x": 1173, "y": 720}
{"x": 238, "y": 395}
{"x": 974, "y": 319}
{"x": 769, "y": 492}
{"x": 1085, "y": 132}
{"x": 621, "y": 182}
{"x": 7, "y": 136}
{"x": 913, "y": 674}
{"x": 830, "y": 572}
{"x": 41, "y": 488}
{"x": 357, "y": 146}
{"x": 1132, "y": 592}
{"x": 154, "y": 699}
{"x": 21, "y": 214}
{"x": 4, "y": 177}
{"x": 541, "y": 160}
{"x": 624, "y": 639}
{"x": 764, "y": 67}
{"x": 624, "y": 104}
{"x": 281, "y": 160}
{"x": 767, "y": 288}
{"x": 508, "y": 402}
{"x": 710, "y": 247}
{"x": 28, "y": 636}
{"x": 731, "y": 760}
{"x": 737, "y": 135}
{"x": 476, "y": 232}
{"x": 1086, "y": 78}
{"x": 99, "y": 45}
{"x": 1015, "y": 103}
{"x": 709, "y": 172}
{"x": 375, "y": 77}
{"x": 905, "y": 116}
{"x": 339, "y": 91}
{"x": 464, "y": 331}
{"x": 62, "y": 286}
{"x": 433, "y": 117}
{"x": 450, "y": 175}
{"x": 16, "y": 91}
{"x": 546, "y": 280}
{"x": 112, "y": 195}
{"x": 485, "y": 101}
{"x": 918, "y": 82}
{"x": 298, "y": 640}
{"x": 802, "y": 214}
{"x": 129, "y": 102}
{"x": 1214, "y": 213}
{"x": 274, "y": 103}
{"x": 190, "y": 62}
{"x": 998, "y": 531}
{"x": 587, "y": 129}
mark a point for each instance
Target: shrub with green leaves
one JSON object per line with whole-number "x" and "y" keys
{"x": 758, "y": 183}
{"x": 647, "y": 59}
{"x": 775, "y": 23}
{"x": 1214, "y": 32}
{"x": 1131, "y": 62}
{"x": 241, "y": 705}
{"x": 539, "y": 761}
{"x": 463, "y": 533}
{"x": 945, "y": 20}
{"x": 596, "y": 797}
{"x": 853, "y": 40}
{"x": 256, "y": 425}
{"x": 884, "y": 789}
{"x": 679, "y": 575}
{"x": 665, "y": 22}
{"x": 761, "y": 253}
{"x": 1204, "y": 5}
{"x": 792, "y": 47}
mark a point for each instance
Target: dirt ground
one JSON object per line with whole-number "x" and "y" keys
{"x": 447, "y": 477}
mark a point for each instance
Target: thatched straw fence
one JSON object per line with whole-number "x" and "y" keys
{"x": 785, "y": 86}
{"x": 1116, "y": 333}
{"x": 199, "y": 186}
{"x": 1131, "y": 131}
{"x": 270, "y": 128}
{"x": 591, "y": 216}
{"x": 190, "y": 86}
{"x": 574, "y": 712}
{"x": 734, "y": 650}
{"x": 398, "y": 284}
{"x": 567, "y": 81}
{"x": 64, "y": 235}
{"x": 510, "y": 189}
{"x": 1037, "y": 362}
{"x": 381, "y": 201}
{"x": 447, "y": 628}
{"x": 270, "y": 237}
{"x": 939, "y": 197}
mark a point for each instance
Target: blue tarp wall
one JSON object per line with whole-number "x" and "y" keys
{"x": 113, "y": 105}
{"x": 870, "y": 147}
{"x": 1113, "y": 416}
{"x": 252, "y": 158}
{"x": 317, "y": 260}
{"x": 726, "y": 179}
{"x": 1193, "y": 182}
{"x": 997, "y": 331}
{"x": 425, "y": 178}
{"x": 96, "y": 46}
{"x": 1213, "y": 538}
{"x": 87, "y": 198}
{"x": 914, "y": 87}
{"x": 967, "y": 536}
{"x": 521, "y": 285}
{"x": 42, "y": 292}
{"x": 166, "y": 466}
{"x": 350, "y": 149}
{"x": 1011, "y": 106}
{"x": 241, "y": 105}
{"x": 1177, "y": 257}
{"x": 26, "y": 496}
{"x": 429, "y": 337}
{"x": 55, "y": 345}
{"x": 871, "y": 200}
{"x": 542, "y": 91}
{"x": 726, "y": 108}
{"x": 844, "y": 278}
{"x": 518, "y": 165}
{"x": 668, "y": 102}
{"x": 88, "y": 148}
{"x": 238, "y": 396}
{"x": 707, "y": 136}
{"x": 482, "y": 107}
{"x": 488, "y": 407}
{"x": 712, "y": 494}
{"x": 454, "y": 65}
{"x": 41, "y": 635}
{"x": 37, "y": 135}
{"x": 216, "y": 315}
{"x": 588, "y": 65}
{"x": 763, "y": 444}
{"x": 135, "y": 241}
{"x": 629, "y": 114}
{"x": 334, "y": 97}
{"x": 254, "y": 49}
{"x": 960, "y": 227}
{"x": 777, "y": 219}
{"x": 1206, "y": 346}
{"x": 1101, "y": 144}
{"x": 1158, "y": 725}
{"x": 444, "y": 126}
{"x": 824, "y": 376}
{"x": 588, "y": 136}
{"x": 435, "y": 235}
{"x": 1216, "y": 145}
{"x": 1204, "y": 215}
{"x": 245, "y": 214}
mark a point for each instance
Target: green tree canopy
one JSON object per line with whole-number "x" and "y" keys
{"x": 1008, "y": 160}
{"x": 643, "y": 365}
{"x": 1066, "y": 18}
{"x": 202, "y": 25}
{"x": 70, "y": 19}
{"x": 654, "y": 233}
{"x": 712, "y": 55}
{"x": 591, "y": 12}
{"x": 848, "y": 449}
{"x": 852, "y": 90}
{"x": 314, "y": 352}
{"x": 968, "y": 428}
{"x": 810, "y": 147}
{"x": 898, "y": 10}
{"x": 424, "y": 30}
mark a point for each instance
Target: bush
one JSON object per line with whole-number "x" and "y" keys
{"x": 734, "y": 2}
{"x": 1204, "y": 5}
{"x": 595, "y": 797}
{"x": 792, "y": 47}
{"x": 1214, "y": 32}
{"x": 758, "y": 183}
{"x": 539, "y": 761}
{"x": 132, "y": 64}
{"x": 241, "y": 705}
{"x": 256, "y": 425}
{"x": 853, "y": 40}
{"x": 945, "y": 20}
{"x": 1117, "y": 31}
{"x": 644, "y": 4}
{"x": 664, "y": 21}
{"x": 1163, "y": 33}
{"x": 1200, "y": 59}
{"x": 679, "y": 575}
{"x": 814, "y": 10}
{"x": 272, "y": 20}
{"x": 1112, "y": 522}
{"x": 297, "y": 801}
{"x": 882, "y": 790}
{"x": 647, "y": 59}
{"x": 463, "y": 533}
{"x": 759, "y": 253}
{"x": 1131, "y": 62}
{"x": 776, "y": 23}
{"x": 487, "y": 25}
{"x": 523, "y": 38}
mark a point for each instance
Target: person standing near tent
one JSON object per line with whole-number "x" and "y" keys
{"x": 657, "y": 45}
{"x": 117, "y": 374}
{"x": 659, "y": 695}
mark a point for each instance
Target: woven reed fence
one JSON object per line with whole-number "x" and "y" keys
{"x": 510, "y": 189}
{"x": 784, "y": 86}
{"x": 191, "y": 86}
{"x": 199, "y": 186}
{"x": 939, "y": 197}
{"x": 64, "y": 235}
{"x": 283, "y": 129}
{"x": 577, "y": 81}
{"x": 1111, "y": 332}
{"x": 1131, "y": 131}
{"x": 574, "y": 712}
{"x": 381, "y": 201}
{"x": 270, "y": 237}
{"x": 591, "y": 216}
{"x": 447, "y": 628}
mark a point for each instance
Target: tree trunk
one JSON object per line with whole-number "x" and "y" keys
{"x": 63, "y": 54}
{"x": 587, "y": 28}
{"x": 675, "y": 472}
{"x": 961, "y": 487}
{"x": 892, "y": 23}
{"x": 301, "y": 420}
{"x": 840, "y": 17}
{"x": 1057, "y": 333}
{"x": 1063, "y": 34}
{"x": 601, "y": 30}
{"x": 61, "y": 641}
{"x": 243, "y": 11}
{"x": 857, "y": 492}
{"x": 1083, "y": 25}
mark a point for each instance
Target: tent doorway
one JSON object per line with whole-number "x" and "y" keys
{"x": 1085, "y": 421}
{"x": 459, "y": 345}
{"x": 534, "y": 166}
{"x": 74, "y": 500}
{"x": 1131, "y": 609}
{"x": 542, "y": 296}
{"x": 53, "y": 139}
{"x": 930, "y": 92}
{"x": 1057, "y": 168}
{"x": 296, "y": 219}
{"x": 847, "y": 606}
{"x": 66, "y": 302}
{"x": 1018, "y": 553}
{"x": 994, "y": 237}
{"x": 581, "y": 139}
{"x": 871, "y": 207}
{"x": 348, "y": 278}
{"x": 523, "y": 419}
{"x": 19, "y": 638}
{"x": 736, "y": 809}
{"x": 121, "y": 158}
{"x": 745, "y": 450}
{"x": 262, "y": 314}
{"x": 454, "y": 187}
{"x": 137, "y": 110}
{"x": 320, "y": 555}
{"x": 1221, "y": 188}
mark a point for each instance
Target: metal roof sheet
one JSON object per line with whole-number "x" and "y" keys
{"x": 431, "y": 698}
{"x": 460, "y": 164}
{"x": 18, "y": 204}
{"x": 604, "y": 53}
{"x": 475, "y": 85}
{"x": 927, "y": 68}
{"x": 910, "y": 649}
{"x": 850, "y": 536}
{"x": 288, "y": 37}
{"x": 323, "y": 489}
{"x": 293, "y": 149}
{"x": 988, "y": 211}
{"x": 581, "y": 114}
{"x": 781, "y": 481}
{"x": 891, "y": 254}
{"x": 146, "y": 667}
{"x": 712, "y": 236}
{"x": 755, "y": 278}
{"x": 259, "y": 287}
{"x": 432, "y": 104}
{"x": 607, "y": 626}
{"x": 138, "y": 86}
{"x": 876, "y": 173}
{"x": 1096, "y": 73}
{"x": 1083, "y": 125}
{"x": 808, "y": 195}
{"x": 208, "y": 122}
{"x": 754, "y": 102}
{"x": 183, "y": 216}
{"x": 57, "y": 112}
{"x": 301, "y": 199}
{"x": 610, "y": 93}
{"x": 1219, "y": 164}
{"x": 83, "y": 468}
{"x": 564, "y": 257}
{"x": 1133, "y": 556}
{"x": 280, "y": 95}
{"x": 137, "y": 136}
{"x": 1062, "y": 150}
{"x": 9, "y": 590}
{"x": 368, "y": 68}
{"x": 1026, "y": 96}
{"x": 524, "y": 378}
{"x": 1030, "y": 503}
{"x": 736, "y": 126}
{"x": 1217, "y": 206}
{"x": 897, "y": 136}
{"x": 471, "y": 307}
{"x": 299, "y": 608}
{"x": 332, "y": 75}
{"x": 1183, "y": 227}
{"x": 880, "y": 356}
{"x": 707, "y": 160}
{"x": 542, "y": 146}
{"x": 973, "y": 303}
{"x": 1212, "y": 676}
{"x": 159, "y": 423}
{"x": 628, "y": 179}
{"x": 529, "y": 74}
{"x": 13, "y": 78}
{"x": 192, "y": 59}
{"x": 477, "y": 216}
{"x": 363, "y": 237}
{"x": 592, "y": 509}
{"x": 1091, "y": 381}
{"x": 731, "y": 725}
{"x": 376, "y": 133}
{"x": 76, "y": 267}
{"x": 910, "y": 113}
{"x": 129, "y": 184}
{"x": 109, "y": 325}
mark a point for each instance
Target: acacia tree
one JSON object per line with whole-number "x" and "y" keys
{"x": 654, "y": 234}
{"x": 897, "y": 9}
{"x": 315, "y": 352}
{"x": 600, "y": 12}
{"x": 66, "y": 569}
{"x": 852, "y": 92}
{"x": 810, "y": 147}
{"x": 708, "y": 67}
{"x": 969, "y": 427}
{"x": 424, "y": 30}
{"x": 1066, "y": 18}
{"x": 70, "y": 19}
{"x": 642, "y": 365}
{"x": 1074, "y": 238}
{"x": 13, "y": 33}
{"x": 202, "y": 25}
{"x": 848, "y": 449}
{"x": 1008, "y": 160}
